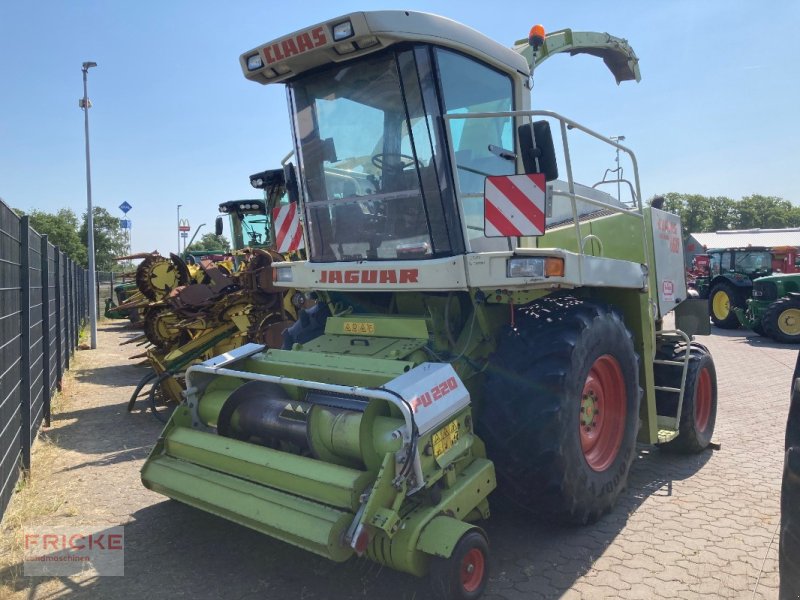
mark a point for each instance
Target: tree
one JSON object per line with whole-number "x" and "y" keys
{"x": 716, "y": 213}
{"x": 109, "y": 239}
{"x": 61, "y": 229}
{"x": 210, "y": 242}
{"x": 765, "y": 212}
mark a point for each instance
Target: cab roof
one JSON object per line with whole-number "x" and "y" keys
{"x": 289, "y": 56}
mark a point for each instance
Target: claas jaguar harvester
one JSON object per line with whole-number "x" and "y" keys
{"x": 479, "y": 322}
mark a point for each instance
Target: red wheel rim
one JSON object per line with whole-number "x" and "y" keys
{"x": 602, "y": 413}
{"x": 472, "y": 569}
{"x": 702, "y": 401}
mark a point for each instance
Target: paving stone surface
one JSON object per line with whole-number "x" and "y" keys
{"x": 701, "y": 526}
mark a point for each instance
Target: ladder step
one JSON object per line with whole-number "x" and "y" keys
{"x": 663, "y": 388}
{"x": 667, "y": 423}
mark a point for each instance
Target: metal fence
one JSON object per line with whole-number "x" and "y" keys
{"x": 43, "y": 304}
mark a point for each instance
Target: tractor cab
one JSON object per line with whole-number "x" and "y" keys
{"x": 251, "y": 220}
{"x": 248, "y": 223}
{"x": 386, "y": 193}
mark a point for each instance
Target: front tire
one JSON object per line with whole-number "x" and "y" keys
{"x": 561, "y": 411}
{"x": 782, "y": 320}
{"x": 721, "y": 301}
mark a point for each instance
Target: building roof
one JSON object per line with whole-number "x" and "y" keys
{"x": 742, "y": 238}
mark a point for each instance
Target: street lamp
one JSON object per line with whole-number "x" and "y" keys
{"x": 618, "y": 139}
{"x": 179, "y": 228}
{"x": 86, "y": 105}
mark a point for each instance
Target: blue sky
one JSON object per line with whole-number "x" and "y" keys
{"x": 175, "y": 122}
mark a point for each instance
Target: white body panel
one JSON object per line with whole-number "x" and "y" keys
{"x": 668, "y": 252}
{"x": 486, "y": 270}
{"x": 434, "y": 392}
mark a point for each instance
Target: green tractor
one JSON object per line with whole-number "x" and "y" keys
{"x": 729, "y": 282}
{"x": 479, "y": 322}
{"x": 124, "y": 292}
{"x": 774, "y": 309}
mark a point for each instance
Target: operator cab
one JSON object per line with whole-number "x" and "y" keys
{"x": 371, "y": 143}
{"x": 250, "y": 220}
{"x": 248, "y": 223}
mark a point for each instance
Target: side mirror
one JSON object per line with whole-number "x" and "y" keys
{"x": 218, "y": 226}
{"x": 290, "y": 177}
{"x": 538, "y": 151}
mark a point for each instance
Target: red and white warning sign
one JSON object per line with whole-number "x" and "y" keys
{"x": 288, "y": 231}
{"x": 514, "y": 205}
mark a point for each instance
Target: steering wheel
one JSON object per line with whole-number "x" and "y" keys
{"x": 405, "y": 162}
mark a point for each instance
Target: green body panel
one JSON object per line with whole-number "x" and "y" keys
{"x": 441, "y": 535}
{"x": 344, "y": 369}
{"x": 293, "y": 519}
{"x": 315, "y": 480}
{"x": 620, "y": 235}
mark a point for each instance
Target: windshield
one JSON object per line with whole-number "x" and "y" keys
{"x": 753, "y": 261}
{"x": 249, "y": 229}
{"x": 367, "y": 151}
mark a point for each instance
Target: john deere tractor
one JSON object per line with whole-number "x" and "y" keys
{"x": 480, "y": 322}
{"x": 774, "y": 309}
{"x": 729, "y": 281}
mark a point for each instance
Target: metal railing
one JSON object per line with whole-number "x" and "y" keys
{"x": 565, "y": 126}
{"x": 43, "y": 305}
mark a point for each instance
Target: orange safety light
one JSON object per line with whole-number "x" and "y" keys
{"x": 536, "y": 37}
{"x": 554, "y": 267}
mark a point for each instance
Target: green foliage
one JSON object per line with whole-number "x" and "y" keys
{"x": 767, "y": 212}
{"x": 109, "y": 239}
{"x": 716, "y": 213}
{"x": 210, "y": 242}
{"x": 61, "y": 229}
{"x": 65, "y": 230}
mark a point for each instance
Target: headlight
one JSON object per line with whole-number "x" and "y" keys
{"x": 525, "y": 267}
{"x": 342, "y": 31}
{"x": 538, "y": 267}
{"x": 282, "y": 274}
{"x": 254, "y": 62}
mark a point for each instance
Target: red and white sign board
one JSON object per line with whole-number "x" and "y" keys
{"x": 288, "y": 231}
{"x": 514, "y": 205}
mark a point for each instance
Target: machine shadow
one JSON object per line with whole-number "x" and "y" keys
{"x": 173, "y": 548}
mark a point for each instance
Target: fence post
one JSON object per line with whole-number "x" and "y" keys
{"x": 70, "y": 301}
{"x": 46, "y": 341}
{"x": 25, "y": 340}
{"x": 59, "y": 290}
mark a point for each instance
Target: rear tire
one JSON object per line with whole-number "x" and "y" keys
{"x": 561, "y": 411}
{"x": 721, "y": 301}
{"x": 782, "y": 320}
{"x": 699, "y": 410}
{"x": 465, "y": 574}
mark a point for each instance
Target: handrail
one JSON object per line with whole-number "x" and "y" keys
{"x": 566, "y": 124}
